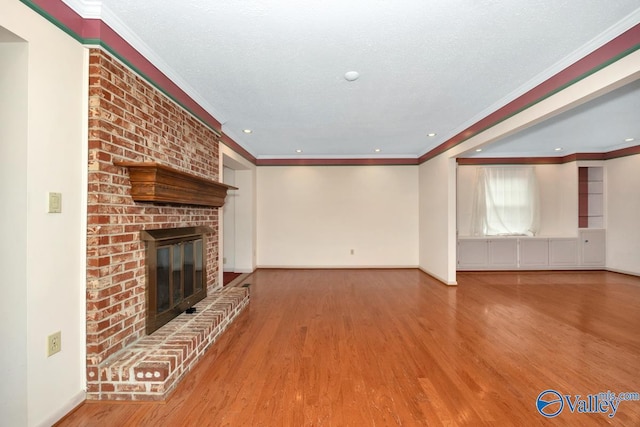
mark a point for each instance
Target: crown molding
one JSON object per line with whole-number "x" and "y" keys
{"x": 342, "y": 161}
{"x": 599, "y": 52}
{"x": 336, "y": 156}
{"x": 550, "y": 73}
{"x": 588, "y": 48}
{"x": 616, "y": 48}
{"x": 130, "y": 36}
{"x": 88, "y": 9}
{"x": 553, "y": 160}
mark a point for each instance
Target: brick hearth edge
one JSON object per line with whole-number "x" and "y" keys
{"x": 151, "y": 368}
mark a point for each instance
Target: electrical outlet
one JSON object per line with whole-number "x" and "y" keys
{"x": 224, "y": 260}
{"x": 352, "y": 251}
{"x": 54, "y": 343}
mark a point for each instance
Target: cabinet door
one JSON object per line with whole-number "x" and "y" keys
{"x": 503, "y": 253}
{"x": 472, "y": 254}
{"x": 534, "y": 253}
{"x": 563, "y": 252}
{"x": 592, "y": 248}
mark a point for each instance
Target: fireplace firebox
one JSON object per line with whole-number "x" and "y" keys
{"x": 175, "y": 272}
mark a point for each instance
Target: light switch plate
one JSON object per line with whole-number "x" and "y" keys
{"x": 55, "y": 202}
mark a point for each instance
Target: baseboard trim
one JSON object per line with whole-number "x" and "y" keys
{"x": 65, "y": 410}
{"x": 438, "y": 278}
{"x": 358, "y": 267}
{"x": 628, "y": 273}
{"x": 335, "y": 267}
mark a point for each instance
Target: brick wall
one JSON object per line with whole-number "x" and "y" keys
{"x": 131, "y": 120}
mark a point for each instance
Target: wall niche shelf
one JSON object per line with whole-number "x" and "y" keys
{"x": 153, "y": 182}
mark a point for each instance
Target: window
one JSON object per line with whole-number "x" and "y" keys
{"x": 506, "y": 202}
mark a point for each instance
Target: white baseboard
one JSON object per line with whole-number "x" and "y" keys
{"x": 630, "y": 273}
{"x": 336, "y": 267}
{"x": 64, "y": 410}
{"x": 438, "y": 278}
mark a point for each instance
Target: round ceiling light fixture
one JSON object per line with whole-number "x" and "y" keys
{"x": 351, "y": 76}
{"x": 247, "y": 131}
{"x": 431, "y": 135}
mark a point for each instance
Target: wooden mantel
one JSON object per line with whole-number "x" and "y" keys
{"x": 153, "y": 182}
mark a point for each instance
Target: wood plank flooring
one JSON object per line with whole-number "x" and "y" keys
{"x": 397, "y": 348}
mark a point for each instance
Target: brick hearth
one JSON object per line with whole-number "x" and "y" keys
{"x": 150, "y": 368}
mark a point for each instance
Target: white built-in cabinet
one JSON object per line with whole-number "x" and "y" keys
{"x": 563, "y": 252}
{"x": 503, "y": 253}
{"x": 592, "y": 247}
{"x": 587, "y": 251}
{"x": 473, "y": 253}
{"x": 534, "y": 253}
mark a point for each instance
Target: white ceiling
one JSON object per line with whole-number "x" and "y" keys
{"x": 277, "y": 67}
{"x": 604, "y": 124}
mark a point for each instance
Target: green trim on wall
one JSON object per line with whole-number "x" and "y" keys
{"x": 532, "y": 103}
{"x": 91, "y": 42}
{"x": 426, "y": 156}
{"x": 135, "y": 69}
{"x": 51, "y": 19}
{"x": 570, "y": 83}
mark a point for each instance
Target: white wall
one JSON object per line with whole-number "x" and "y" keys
{"x": 313, "y": 216}
{"x": 229, "y": 222}
{"x": 242, "y": 250}
{"x": 558, "y": 199}
{"x": 438, "y": 218}
{"x": 13, "y": 228}
{"x": 622, "y": 214}
{"x": 51, "y": 157}
{"x": 246, "y": 217}
{"x": 558, "y": 189}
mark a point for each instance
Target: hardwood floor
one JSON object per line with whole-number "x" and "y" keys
{"x": 396, "y": 347}
{"x": 228, "y": 277}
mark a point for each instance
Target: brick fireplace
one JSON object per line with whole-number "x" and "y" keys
{"x": 130, "y": 120}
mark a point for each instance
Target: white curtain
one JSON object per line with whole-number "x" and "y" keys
{"x": 505, "y": 202}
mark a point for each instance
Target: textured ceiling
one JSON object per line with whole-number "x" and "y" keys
{"x": 277, "y": 67}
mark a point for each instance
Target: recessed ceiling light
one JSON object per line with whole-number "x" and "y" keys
{"x": 629, "y": 139}
{"x": 298, "y": 151}
{"x": 247, "y": 130}
{"x": 478, "y": 150}
{"x": 431, "y": 134}
{"x": 351, "y": 76}
{"x": 559, "y": 149}
{"x": 377, "y": 150}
